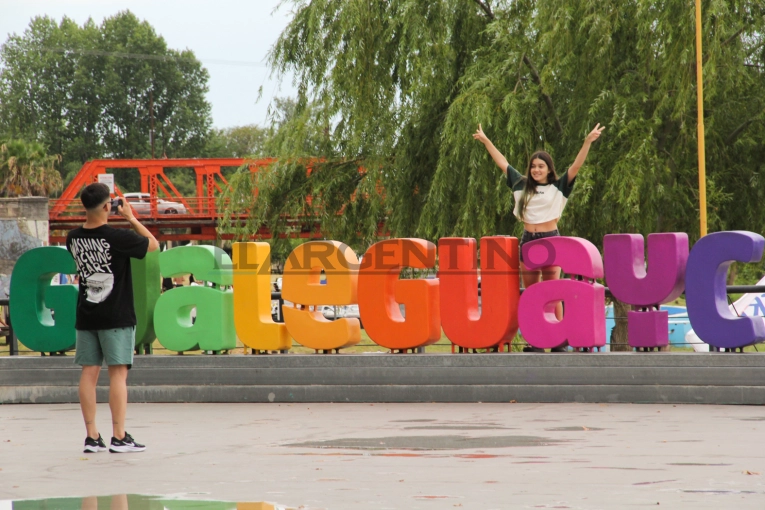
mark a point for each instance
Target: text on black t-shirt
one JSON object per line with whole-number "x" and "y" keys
{"x": 102, "y": 256}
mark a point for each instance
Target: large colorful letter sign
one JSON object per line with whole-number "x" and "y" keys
{"x": 497, "y": 321}
{"x": 252, "y": 299}
{"x": 33, "y": 298}
{"x": 146, "y": 292}
{"x": 381, "y": 291}
{"x": 584, "y": 319}
{"x": 629, "y": 281}
{"x": 302, "y": 286}
{"x": 214, "y": 326}
{"x": 706, "y": 295}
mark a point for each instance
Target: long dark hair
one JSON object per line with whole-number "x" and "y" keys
{"x": 531, "y": 185}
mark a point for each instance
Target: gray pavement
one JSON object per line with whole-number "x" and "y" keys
{"x": 400, "y": 456}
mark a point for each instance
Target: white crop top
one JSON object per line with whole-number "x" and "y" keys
{"x": 548, "y": 201}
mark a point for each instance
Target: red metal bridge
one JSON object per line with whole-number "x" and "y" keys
{"x": 159, "y": 205}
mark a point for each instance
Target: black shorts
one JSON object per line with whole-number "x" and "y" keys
{"x": 533, "y": 236}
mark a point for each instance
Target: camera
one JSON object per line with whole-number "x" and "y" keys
{"x": 116, "y": 202}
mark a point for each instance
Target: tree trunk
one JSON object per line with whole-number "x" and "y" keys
{"x": 619, "y": 340}
{"x": 732, "y": 272}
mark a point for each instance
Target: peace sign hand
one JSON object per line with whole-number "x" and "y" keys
{"x": 480, "y": 136}
{"x": 595, "y": 133}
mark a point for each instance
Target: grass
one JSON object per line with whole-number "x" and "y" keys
{"x": 366, "y": 345}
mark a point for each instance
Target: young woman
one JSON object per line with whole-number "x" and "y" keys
{"x": 540, "y": 197}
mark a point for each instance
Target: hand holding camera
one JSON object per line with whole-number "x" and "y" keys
{"x": 116, "y": 203}
{"x": 121, "y": 208}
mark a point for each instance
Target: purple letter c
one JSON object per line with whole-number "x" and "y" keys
{"x": 706, "y": 296}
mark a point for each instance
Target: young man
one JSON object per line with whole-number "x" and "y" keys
{"x": 105, "y": 313}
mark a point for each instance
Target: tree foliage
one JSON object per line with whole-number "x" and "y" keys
{"x": 86, "y": 91}
{"x": 237, "y": 142}
{"x": 397, "y": 87}
{"x": 27, "y": 170}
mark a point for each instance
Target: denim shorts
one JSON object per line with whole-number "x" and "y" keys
{"x": 114, "y": 345}
{"x": 533, "y": 236}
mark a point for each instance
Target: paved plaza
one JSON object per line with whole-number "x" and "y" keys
{"x": 400, "y": 456}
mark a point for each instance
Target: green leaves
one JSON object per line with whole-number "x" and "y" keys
{"x": 236, "y": 142}
{"x": 88, "y": 91}
{"x": 398, "y": 87}
{"x": 26, "y": 169}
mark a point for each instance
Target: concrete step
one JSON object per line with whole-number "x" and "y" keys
{"x": 713, "y": 378}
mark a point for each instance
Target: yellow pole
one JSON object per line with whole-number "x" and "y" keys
{"x": 700, "y": 101}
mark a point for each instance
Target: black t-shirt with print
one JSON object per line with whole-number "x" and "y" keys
{"x": 103, "y": 257}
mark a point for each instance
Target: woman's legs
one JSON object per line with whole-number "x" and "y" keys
{"x": 529, "y": 277}
{"x": 553, "y": 273}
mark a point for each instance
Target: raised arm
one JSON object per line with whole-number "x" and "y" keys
{"x": 579, "y": 161}
{"x": 126, "y": 211}
{"x": 497, "y": 156}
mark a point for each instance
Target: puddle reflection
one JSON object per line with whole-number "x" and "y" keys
{"x": 134, "y": 502}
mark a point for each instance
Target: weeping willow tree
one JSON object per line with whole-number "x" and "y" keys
{"x": 391, "y": 90}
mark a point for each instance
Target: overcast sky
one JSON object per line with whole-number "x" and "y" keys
{"x": 219, "y": 31}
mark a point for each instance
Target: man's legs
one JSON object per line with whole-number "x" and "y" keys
{"x": 119, "y": 502}
{"x": 119, "y": 357}
{"x": 118, "y": 398}
{"x": 90, "y": 357}
{"x": 118, "y": 347}
{"x": 89, "y": 503}
{"x": 88, "y": 380}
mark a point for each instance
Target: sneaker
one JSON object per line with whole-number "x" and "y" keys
{"x": 94, "y": 445}
{"x": 125, "y": 445}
